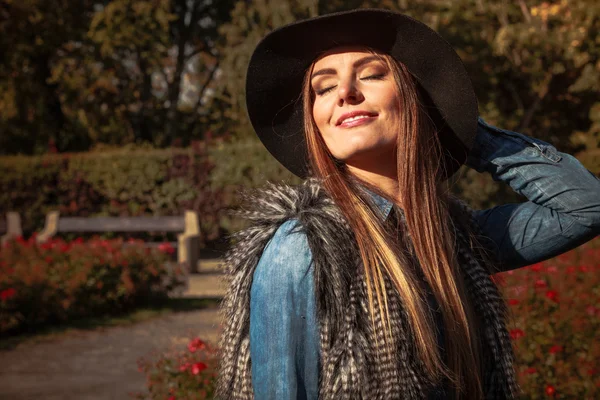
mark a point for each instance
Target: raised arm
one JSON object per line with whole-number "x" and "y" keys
{"x": 563, "y": 207}
{"x": 283, "y": 330}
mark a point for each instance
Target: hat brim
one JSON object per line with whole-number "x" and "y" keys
{"x": 280, "y": 61}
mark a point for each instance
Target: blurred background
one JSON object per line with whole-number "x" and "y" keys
{"x": 130, "y": 108}
{"x": 134, "y": 107}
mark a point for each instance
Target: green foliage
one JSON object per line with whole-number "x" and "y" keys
{"x": 31, "y": 31}
{"x": 121, "y": 182}
{"x": 132, "y": 24}
{"x": 28, "y": 186}
{"x": 250, "y": 22}
{"x": 243, "y": 163}
{"x": 79, "y": 279}
{"x": 74, "y": 74}
{"x": 105, "y": 81}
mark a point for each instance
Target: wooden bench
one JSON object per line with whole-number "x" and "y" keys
{"x": 10, "y": 227}
{"x": 188, "y": 249}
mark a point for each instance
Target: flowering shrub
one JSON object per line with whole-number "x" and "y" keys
{"x": 188, "y": 374}
{"x": 555, "y": 317}
{"x": 555, "y": 320}
{"x": 57, "y": 281}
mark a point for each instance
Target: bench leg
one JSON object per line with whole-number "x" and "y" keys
{"x": 188, "y": 251}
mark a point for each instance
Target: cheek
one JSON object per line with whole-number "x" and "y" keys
{"x": 319, "y": 116}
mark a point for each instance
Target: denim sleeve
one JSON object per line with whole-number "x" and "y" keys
{"x": 563, "y": 207}
{"x": 284, "y": 344}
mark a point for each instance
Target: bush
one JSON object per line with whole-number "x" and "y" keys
{"x": 188, "y": 374}
{"x": 59, "y": 281}
{"x": 555, "y": 321}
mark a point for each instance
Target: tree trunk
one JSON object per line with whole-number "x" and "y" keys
{"x": 143, "y": 130}
{"x": 53, "y": 107}
{"x": 172, "y": 120}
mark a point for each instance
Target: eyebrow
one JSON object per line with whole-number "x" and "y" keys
{"x": 357, "y": 63}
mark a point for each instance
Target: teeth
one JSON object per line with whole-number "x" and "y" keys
{"x": 355, "y": 118}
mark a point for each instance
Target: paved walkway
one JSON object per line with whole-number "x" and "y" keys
{"x": 208, "y": 282}
{"x": 102, "y": 364}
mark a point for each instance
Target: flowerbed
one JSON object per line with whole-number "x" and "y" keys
{"x": 59, "y": 281}
{"x": 555, "y": 309}
{"x": 555, "y": 320}
{"x": 189, "y": 374}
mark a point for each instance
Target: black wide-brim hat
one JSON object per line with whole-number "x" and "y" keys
{"x": 281, "y": 59}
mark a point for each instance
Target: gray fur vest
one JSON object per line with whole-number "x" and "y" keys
{"x": 351, "y": 368}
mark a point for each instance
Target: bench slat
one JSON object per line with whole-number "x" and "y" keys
{"x": 121, "y": 224}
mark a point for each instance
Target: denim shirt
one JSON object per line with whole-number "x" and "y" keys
{"x": 562, "y": 212}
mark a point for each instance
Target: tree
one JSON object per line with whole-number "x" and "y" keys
{"x": 194, "y": 35}
{"x": 31, "y": 31}
{"x": 113, "y": 72}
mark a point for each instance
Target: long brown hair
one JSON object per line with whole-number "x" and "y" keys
{"x": 424, "y": 200}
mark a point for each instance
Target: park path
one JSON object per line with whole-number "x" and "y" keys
{"x": 102, "y": 364}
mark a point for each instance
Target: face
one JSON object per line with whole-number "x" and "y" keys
{"x": 356, "y": 106}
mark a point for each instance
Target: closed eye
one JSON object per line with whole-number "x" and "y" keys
{"x": 323, "y": 91}
{"x": 374, "y": 77}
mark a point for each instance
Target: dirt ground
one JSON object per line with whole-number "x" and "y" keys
{"x": 102, "y": 364}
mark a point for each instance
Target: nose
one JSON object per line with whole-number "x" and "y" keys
{"x": 348, "y": 92}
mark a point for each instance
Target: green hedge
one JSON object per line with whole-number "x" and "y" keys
{"x": 129, "y": 181}
{"x": 207, "y": 178}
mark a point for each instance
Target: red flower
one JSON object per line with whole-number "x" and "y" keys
{"x": 536, "y": 267}
{"x": 171, "y": 398}
{"x": 584, "y": 268}
{"x": 590, "y": 310}
{"x": 166, "y": 248}
{"x": 571, "y": 269}
{"x": 540, "y": 283}
{"x": 516, "y": 334}
{"x": 49, "y": 260}
{"x": 531, "y": 370}
{"x": 7, "y": 294}
{"x": 184, "y": 367}
{"x": 555, "y": 349}
{"x": 513, "y": 302}
{"x": 552, "y": 295}
{"x": 198, "y": 367}
{"x": 550, "y": 390}
{"x": 196, "y": 344}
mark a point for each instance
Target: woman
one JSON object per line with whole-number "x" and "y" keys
{"x": 370, "y": 280}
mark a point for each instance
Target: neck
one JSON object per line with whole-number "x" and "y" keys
{"x": 381, "y": 176}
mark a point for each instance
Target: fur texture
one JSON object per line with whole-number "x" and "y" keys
{"x": 351, "y": 367}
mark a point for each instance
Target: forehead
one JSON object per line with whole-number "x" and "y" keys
{"x": 343, "y": 55}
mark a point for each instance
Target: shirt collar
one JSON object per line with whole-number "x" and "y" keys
{"x": 383, "y": 204}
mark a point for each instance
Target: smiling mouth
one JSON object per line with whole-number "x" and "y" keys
{"x": 354, "y": 119}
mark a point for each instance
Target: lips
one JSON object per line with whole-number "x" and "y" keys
{"x": 355, "y": 116}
